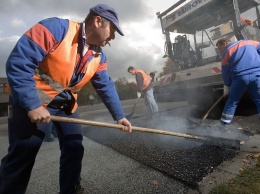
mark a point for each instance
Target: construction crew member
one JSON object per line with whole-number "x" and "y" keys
{"x": 145, "y": 87}
{"x": 47, "y": 67}
{"x": 241, "y": 71}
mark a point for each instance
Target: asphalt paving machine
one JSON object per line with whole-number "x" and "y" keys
{"x": 194, "y": 27}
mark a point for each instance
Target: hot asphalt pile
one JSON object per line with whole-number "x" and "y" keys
{"x": 183, "y": 159}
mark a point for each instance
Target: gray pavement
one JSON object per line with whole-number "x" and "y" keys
{"x": 106, "y": 171}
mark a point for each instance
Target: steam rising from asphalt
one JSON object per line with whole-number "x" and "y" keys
{"x": 211, "y": 128}
{"x": 184, "y": 123}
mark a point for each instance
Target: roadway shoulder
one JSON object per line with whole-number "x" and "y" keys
{"x": 231, "y": 168}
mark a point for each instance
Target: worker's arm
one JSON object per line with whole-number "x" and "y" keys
{"x": 105, "y": 88}
{"x": 30, "y": 49}
{"x": 139, "y": 81}
{"x": 226, "y": 67}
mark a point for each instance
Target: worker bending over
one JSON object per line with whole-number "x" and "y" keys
{"x": 241, "y": 71}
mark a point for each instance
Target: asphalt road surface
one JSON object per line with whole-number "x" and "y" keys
{"x": 182, "y": 159}
{"x": 139, "y": 162}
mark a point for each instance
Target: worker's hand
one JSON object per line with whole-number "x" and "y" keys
{"x": 126, "y": 124}
{"x": 39, "y": 115}
{"x": 139, "y": 94}
{"x": 225, "y": 90}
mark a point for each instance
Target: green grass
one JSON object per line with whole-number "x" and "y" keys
{"x": 247, "y": 182}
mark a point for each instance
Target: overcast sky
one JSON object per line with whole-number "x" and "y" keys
{"x": 141, "y": 47}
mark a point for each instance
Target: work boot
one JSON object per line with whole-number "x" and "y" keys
{"x": 79, "y": 190}
{"x": 224, "y": 126}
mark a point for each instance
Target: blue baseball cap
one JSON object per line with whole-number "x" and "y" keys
{"x": 108, "y": 13}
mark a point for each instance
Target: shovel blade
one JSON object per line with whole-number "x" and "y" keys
{"x": 222, "y": 142}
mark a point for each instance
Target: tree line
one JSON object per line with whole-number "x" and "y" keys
{"x": 125, "y": 89}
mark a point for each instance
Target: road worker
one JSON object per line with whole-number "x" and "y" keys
{"x": 145, "y": 87}
{"x": 48, "y": 66}
{"x": 240, "y": 71}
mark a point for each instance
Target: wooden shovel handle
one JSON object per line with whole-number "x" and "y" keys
{"x": 211, "y": 108}
{"x": 118, "y": 126}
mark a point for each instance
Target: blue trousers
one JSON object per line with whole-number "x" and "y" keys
{"x": 46, "y": 128}
{"x": 25, "y": 141}
{"x": 150, "y": 102}
{"x": 238, "y": 87}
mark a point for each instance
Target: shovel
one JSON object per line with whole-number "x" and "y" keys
{"x": 206, "y": 114}
{"x": 211, "y": 108}
{"x": 129, "y": 116}
{"x": 221, "y": 142}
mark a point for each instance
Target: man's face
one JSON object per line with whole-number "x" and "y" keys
{"x": 104, "y": 32}
{"x": 132, "y": 72}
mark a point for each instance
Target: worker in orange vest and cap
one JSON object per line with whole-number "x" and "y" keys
{"x": 145, "y": 87}
{"x": 48, "y": 66}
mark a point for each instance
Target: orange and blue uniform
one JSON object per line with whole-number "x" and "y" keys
{"x": 60, "y": 62}
{"x": 48, "y": 66}
{"x": 240, "y": 72}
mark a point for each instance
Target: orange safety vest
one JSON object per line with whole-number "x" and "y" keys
{"x": 146, "y": 78}
{"x": 55, "y": 71}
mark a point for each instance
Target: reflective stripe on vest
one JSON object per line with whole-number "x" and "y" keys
{"x": 55, "y": 71}
{"x": 146, "y": 78}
